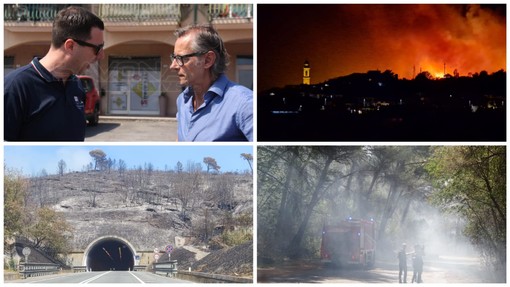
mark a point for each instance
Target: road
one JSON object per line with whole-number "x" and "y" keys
{"x": 440, "y": 270}
{"x": 132, "y": 129}
{"x": 103, "y": 277}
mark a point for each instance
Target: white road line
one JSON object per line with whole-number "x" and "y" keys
{"x": 136, "y": 277}
{"x": 50, "y": 277}
{"x": 94, "y": 278}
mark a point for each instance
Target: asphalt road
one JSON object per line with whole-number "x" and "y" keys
{"x": 132, "y": 129}
{"x": 442, "y": 270}
{"x": 127, "y": 277}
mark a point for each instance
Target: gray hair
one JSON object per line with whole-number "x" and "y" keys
{"x": 206, "y": 38}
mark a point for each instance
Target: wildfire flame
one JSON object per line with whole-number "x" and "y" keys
{"x": 342, "y": 39}
{"x": 440, "y": 39}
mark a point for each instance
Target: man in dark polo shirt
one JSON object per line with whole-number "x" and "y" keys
{"x": 43, "y": 101}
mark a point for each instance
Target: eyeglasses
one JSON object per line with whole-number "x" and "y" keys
{"x": 181, "y": 58}
{"x": 96, "y": 47}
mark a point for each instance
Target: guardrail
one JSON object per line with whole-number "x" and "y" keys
{"x": 76, "y": 269}
{"x": 38, "y": 269}
{"x": 168, "y": 268}
{"x": 84, "y": 268}
{"x": 139, "y": 267}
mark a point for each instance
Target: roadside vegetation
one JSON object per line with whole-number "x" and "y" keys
{"x": 63, "y": 211}
{"x": 450, "y": 199}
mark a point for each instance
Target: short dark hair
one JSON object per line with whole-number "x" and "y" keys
{"x": 206, "y": 38}
{"x": 74, "y": 22}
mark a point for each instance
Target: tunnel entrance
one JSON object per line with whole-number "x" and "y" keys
{"x": 109, "y": 253}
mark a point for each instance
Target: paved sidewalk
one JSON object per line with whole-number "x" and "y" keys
{"x": 132, "y": 129}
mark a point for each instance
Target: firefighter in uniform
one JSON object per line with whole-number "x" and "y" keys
{"x": 417, "y": 263}
{"x": 402, "y": 264}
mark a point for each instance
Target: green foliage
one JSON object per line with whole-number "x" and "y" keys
{"x": 236, "y": 237}
{"x": 50, "y": 230}
{"x": 471, "y": 182}
{"x": 245, "y": 220}
{"x": 15, "y": 188}
{"x": 301, "y": 188}
{"x": 10, "y": 265}
{"x": 43, "y": 226}
{"x": 293, "y": 181}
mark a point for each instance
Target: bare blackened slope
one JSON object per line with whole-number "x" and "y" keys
{"x": 148, "y": 210}
{"x": 237, "y": 261}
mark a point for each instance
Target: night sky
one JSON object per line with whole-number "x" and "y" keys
{"x": 342, "y": 39}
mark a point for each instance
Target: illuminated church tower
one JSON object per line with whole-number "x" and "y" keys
{"x": 306, "y": 73}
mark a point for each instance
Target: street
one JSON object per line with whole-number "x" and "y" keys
{"x": 131, "y": 129}
{"x": 103, "y": 277}
{"x": 441, "y": 270}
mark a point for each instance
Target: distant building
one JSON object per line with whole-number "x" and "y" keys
{"x": 306, "y": 73}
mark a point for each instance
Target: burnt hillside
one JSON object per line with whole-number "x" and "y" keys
{"x": 147, "y": 207}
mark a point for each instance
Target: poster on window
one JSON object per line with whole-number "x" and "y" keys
{"x": 144, "y": 88}
{"x": 134, "y": 86}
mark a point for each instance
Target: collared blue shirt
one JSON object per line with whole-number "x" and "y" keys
{"x": 225, "y": 115}
{"x": 39, "y": 107}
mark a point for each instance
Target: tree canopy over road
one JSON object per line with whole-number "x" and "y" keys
{"x": 443, "y": 197}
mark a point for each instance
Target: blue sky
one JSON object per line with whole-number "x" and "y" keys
{"x": 31, "y": 160}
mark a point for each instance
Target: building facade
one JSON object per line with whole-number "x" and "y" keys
{"x": 134, "y": 77}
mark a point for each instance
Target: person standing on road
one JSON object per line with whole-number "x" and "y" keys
{"x": 211, "y": 108}
{"x": 43, "y": 101}
{"x": 417, "y": 264}
{"x": 402, "y": 264}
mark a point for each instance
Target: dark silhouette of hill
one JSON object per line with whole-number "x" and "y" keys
{"x": 378, "y": 106}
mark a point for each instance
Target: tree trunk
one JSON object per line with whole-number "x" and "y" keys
{"x": 282, "y": 224}
{"x": 391, "y": 202}
{"x": 294, "y": 248}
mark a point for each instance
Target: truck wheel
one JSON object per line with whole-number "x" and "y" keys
{"x": 94, "y": 119}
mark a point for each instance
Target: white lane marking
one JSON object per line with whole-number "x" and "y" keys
{"x": 50, "y": 277}
{"x": 94, "y": 278}
{"x": 136, "y": 277}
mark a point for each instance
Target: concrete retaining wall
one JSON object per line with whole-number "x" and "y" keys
{"x": 210, "y": 278}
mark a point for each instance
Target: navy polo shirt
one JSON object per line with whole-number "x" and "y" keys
{"x": 39, "y": 107}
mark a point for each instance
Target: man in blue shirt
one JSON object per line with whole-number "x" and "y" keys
{"x": 43, "y": 101}
{"x": 211, "y": 108}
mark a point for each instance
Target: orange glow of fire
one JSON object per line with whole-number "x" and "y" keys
{"x": 438, "y": 75}
{"x": 456, "y": 40}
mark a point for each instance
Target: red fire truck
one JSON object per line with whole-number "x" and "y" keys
{"x": 349, "y": 242}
